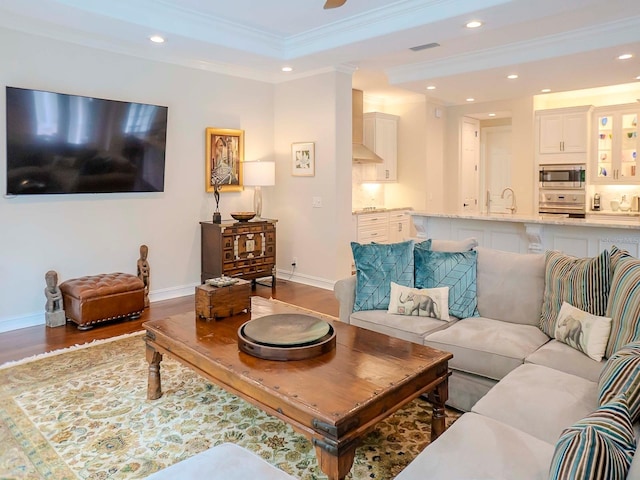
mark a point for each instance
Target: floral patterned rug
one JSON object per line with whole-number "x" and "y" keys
{"x": 84, "y": 414}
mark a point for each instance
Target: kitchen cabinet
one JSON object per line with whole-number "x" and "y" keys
{"x": 563, "y": 135}
{"x": 383, "y": 226}
{"x": 399, "y": 226}
{"x": 381, "y": 136}
{"x": 615, "y": 139}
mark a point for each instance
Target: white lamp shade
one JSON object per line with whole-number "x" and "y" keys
{"x": 259, "y": 174}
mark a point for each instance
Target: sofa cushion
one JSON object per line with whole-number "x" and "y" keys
{"x": 425, "y": 302}
{"x": 560, "y": 356}
{"x": 621, "y": 375}
{"x": 580, "y": 330}
{"x": 463, "y": 245}
{"x": 477, "y": 447}
{"x": 412, "y": 329}
{"x": 510, "y": 285}
{"x": 487, "y": 347}
{"x": 377, "y": 265}
{"x": 581, "y": 282}
{"x": 624, "y": 300}
{"x": 456, "y": 270}
{"x": 539, "y": 401}
{"x": 607, "y": 435}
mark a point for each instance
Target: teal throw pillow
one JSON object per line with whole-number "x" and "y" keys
{"x": 456, "y": 270}
{"x": 600, "y": 446}
{"x": 377, "y": 265}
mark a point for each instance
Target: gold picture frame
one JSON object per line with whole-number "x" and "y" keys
{"x": 303, "y": 159}
{"x": 224, "y": 157}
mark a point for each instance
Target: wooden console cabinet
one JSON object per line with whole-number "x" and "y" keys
{"x": 238, "y": 249}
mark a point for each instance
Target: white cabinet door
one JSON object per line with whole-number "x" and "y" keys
{"x": 399, "y": 226}
{"x": 381, "y": 136}
{"x": 563, "y": 133}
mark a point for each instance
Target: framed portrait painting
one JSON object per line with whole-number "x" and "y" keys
{"x": 224, "y": 157}
{"x": 303, "y": 159}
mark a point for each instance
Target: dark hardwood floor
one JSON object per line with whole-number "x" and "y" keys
{"x": 25, "y": 342}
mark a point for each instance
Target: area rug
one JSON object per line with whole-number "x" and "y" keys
{"x": 84, "y": 414}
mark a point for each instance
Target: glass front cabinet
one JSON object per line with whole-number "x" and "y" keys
{"x": 616, "y": 155}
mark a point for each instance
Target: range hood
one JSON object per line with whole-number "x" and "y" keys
{"x": 361, "y": 154}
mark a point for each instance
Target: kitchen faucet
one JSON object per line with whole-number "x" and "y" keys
{"x": 513, "y": 206}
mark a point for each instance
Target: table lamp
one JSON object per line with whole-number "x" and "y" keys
{"x": 258, "y": 175}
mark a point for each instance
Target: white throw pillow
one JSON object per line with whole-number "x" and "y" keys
{"x": 583, "y": 331}
{"x": 425, "y": 302}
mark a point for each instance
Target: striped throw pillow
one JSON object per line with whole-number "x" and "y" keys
{"x": 581, "y": 282}
{"x": 607, "y": 436}
{"x": 621, "y": 374}
{"x": 624, "y": 300}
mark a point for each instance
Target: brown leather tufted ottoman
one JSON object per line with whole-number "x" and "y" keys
{"x": 99, "y": 298}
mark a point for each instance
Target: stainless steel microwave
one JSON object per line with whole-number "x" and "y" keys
{"x": 562, "y": 176}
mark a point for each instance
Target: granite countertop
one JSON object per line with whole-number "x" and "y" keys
{"x": 378, "y": 209}
{"x": 621, "y": 221}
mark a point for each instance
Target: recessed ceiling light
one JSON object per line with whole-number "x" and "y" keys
{"x": 156, "y": 39}
{"x": 431, "y": 87}
{"x": 638, "y": 77}
{"x": 474, "y": 24}
{"x": 492, "y": 114}
{"x": 625, "y": 56}
{"x": 471, "y": 99}
{"x": 513, "y": 76}
{"x": 545, "y": 90}
{"x": 287, "y": 69}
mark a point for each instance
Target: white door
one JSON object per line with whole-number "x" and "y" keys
{"x": 496, "y": 161}
{"x": 469, "y": 164}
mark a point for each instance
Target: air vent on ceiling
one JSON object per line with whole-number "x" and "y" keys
{"x": 425, "y": 46}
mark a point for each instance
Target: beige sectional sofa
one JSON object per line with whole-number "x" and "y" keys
{"x": 520, "y": 387}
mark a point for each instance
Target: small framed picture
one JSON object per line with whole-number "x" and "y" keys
{"x": 303, "y": 159}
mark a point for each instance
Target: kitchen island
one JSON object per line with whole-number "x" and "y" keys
{"x": 581, "y": 237}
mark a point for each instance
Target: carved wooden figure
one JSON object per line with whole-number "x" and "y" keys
{"x": 144, "y": 271}
{"x": 54, "y": 313}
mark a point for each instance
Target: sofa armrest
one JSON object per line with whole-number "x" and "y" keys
{"x": 345, "y": 292}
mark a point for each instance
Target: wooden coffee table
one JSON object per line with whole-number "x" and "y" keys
{"x": 333, "y": 399}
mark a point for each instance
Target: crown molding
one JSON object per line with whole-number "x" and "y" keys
{"x": 567, "y": 43}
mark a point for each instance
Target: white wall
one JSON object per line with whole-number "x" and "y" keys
{"x": 88, "y": 234}
{"x": 314, "y": 109}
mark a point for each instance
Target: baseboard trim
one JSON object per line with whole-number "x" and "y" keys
{"x": 305, "y": 279}
{"x": 34, "y": 319}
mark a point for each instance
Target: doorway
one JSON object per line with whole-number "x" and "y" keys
{"x": 469, "y": 164}
{"x": 496, "y": 167}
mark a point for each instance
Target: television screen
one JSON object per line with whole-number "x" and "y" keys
{"x": 59, "y": 143}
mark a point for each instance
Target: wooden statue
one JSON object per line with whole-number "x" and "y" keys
{"x": 143, "y": 272}
{"x": 54, "y": 314}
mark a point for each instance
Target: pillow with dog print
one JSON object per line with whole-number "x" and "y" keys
{"x": 583, "y": 331}
{"x": 421, "y": 302}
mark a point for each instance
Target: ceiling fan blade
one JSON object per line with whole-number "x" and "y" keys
{"x": 334, "y": 4}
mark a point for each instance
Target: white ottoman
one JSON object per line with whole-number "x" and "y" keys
{"x": 226, "y": 462}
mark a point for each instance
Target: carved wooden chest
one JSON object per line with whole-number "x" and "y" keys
{"x": 218, "y": 302}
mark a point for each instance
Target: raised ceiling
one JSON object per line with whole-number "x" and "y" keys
{"x": 561, "y": 45}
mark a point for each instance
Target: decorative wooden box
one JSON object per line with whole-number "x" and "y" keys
{"x": 218, "y": 302}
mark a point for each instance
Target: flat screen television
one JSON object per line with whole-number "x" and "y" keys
{"x": 61, "y": 144}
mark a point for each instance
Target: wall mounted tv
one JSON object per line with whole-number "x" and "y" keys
{"x": 59, "y": 143}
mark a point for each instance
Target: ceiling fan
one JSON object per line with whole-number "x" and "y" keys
{"x": 334, "y": 4}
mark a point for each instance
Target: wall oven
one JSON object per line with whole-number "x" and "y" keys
{"x": 562, "y": 176}
{"x": 568, "y": 203}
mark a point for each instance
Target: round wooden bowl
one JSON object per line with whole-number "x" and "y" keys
{"x": 286, "y": 337}
{"x": 243, "y": 216}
